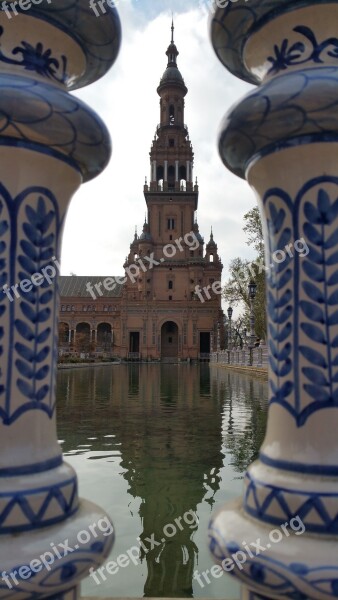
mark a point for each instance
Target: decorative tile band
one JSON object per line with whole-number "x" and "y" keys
{"x": 74, "y": 130}
{"x": 32, "y": 509}
{"x": 237, "y": 23}
{"x": 284, "y": 110}
{"x": 295, "y": 467}
{"x": 297, "y": 54}
{"x": 31, "y": 469}
{"x": 273, "y": 577}
{"x": 277, "y": 505}
{"x": 38, "y": 60}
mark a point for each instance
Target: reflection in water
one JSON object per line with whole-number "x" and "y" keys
{"x": 172, "y": 427}
{"x": 244, "y": 415}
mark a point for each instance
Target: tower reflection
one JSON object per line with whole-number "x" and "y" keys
{"x": 166, "y": 422}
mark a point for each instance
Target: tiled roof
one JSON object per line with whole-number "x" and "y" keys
{"x": 76, "y": 286}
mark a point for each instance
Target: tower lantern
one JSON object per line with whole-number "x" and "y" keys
{"x": 172, "y": 154}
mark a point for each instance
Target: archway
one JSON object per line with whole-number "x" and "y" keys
{"x": 104, "y": 337}
{"x": 63, "y": 334}
{"x": 82, "y": 339}
{"x": 169, "y": 340}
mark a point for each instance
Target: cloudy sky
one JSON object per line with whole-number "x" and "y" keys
{"x": 103, "y": 214}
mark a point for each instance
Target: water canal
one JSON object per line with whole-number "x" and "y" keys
{"x": 150, "y": 444}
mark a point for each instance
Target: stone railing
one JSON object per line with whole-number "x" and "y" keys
{"x": 242, "y": 357}
{"x": 134, "y": 355}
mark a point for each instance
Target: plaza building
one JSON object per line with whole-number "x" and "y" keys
{"x": 167, "y": 306}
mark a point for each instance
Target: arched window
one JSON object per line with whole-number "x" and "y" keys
{"x": 171, "y": 177}
{"x": 172, "y": 114}
{"x": 160, "y": 176}
{"x": 170, "y": 285}
{"x": 211, "y": 258}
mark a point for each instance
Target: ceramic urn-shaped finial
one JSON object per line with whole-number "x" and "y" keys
{"x": 50, "y": 143}
{"x": 283, "y": 138}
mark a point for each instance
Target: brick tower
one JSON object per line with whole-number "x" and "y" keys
{"x": 176, "y": 323}
{"x": 159, "y": 309}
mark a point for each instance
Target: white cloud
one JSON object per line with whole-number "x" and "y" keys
{"x": 103, "y": 214}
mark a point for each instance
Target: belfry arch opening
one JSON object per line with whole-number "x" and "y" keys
{"x": 160, "y": 175}
{"x": 171, "y": 114}
{"x": 171, "y": 178}
{"x": 183, "y": 177}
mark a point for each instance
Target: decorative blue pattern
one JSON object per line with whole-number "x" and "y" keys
{"x": 4, "y": 229}
{"x": 279, "y": 309}
{"x": 289, "y": 580}
{"x": 37, "y": 60}
{"x": 259, "y": 497}
{"x": 233, "y": 25}
{"x": 99, "y": 37}
{"x": 286, "y": 57}
{"x": 291, "y": 109}
{"x": 63, "y": 494}
{"x": 69, "y": 570}
{"x": 75, "y": 132}
{"x": 300, "y": 467}
{"x": 30, "y": 339}
{"x": 315, "y": 385}
{"x": 31, "y": 469}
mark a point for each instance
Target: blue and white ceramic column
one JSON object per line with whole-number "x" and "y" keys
{"x": 283, "y": 138}
{"x": 50, "y": 143}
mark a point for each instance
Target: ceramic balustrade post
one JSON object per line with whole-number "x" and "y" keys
{"x": 283, "y": 138}
{"x": 50, "y": 143}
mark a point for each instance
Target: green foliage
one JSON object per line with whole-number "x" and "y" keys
{"x": 254, "y": 230}
{"x": 242, "y": 271}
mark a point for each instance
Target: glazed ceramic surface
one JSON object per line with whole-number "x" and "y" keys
{"x": 283, "y": 137}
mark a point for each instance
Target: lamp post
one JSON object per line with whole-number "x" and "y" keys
{"x": 252, "y": 288}
{"x": 218, "y": 336}
{"x": 230, "y": 311}
{"x": 226, "y": 332}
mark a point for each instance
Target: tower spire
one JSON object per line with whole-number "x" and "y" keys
{"x": 172, "y": 30}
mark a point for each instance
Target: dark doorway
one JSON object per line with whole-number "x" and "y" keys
{"x": 169, "y": 340}
{"x": 104, "y": 337}
{"x": 204, "y": 342}
{"x": 134, "y": 342}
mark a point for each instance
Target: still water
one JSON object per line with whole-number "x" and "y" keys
{"x": 151, "y": 443}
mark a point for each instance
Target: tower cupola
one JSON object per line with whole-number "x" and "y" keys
{"x": 171, "y": 155}
{"x": 172, "y": 76}
{"x": 212, "y": 250}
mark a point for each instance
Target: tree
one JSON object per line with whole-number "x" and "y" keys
{"x": 254, "y": 230}
{"x": 242, "y": 271}
{"x": 63, "y": 334}
{"x": 83, "y": 343}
